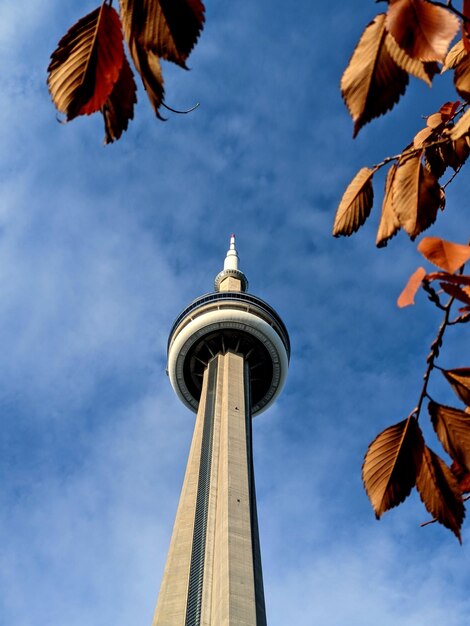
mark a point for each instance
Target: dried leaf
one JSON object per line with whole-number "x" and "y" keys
{"x": 389, "y": 224}
{"x": 435, "y": 120}
{"x": 452, "y": 426}
{"x": 169, "y": 29}
{"x": 444, "y": 254}
{"x": 461, "y": 149}
{"x": 407, "y": 296}
{"x": 462, "y": 78}
{"x": 465, "y": 26}
{"x": 409, "y": 64}
{"x": 459, "y": 379}
{"x": 86, "y": 65}
{"x": 440, "y": 493}
{"x": 356, "y": 203}
{"x": 391, "y": 465}
{"x": 147, "y": 64}
{"x": 421, "y": 137}
{"x": 119, "y": 107}
{"x": 422, "y": 29}
{"x": 457, "y": 279}
{"x": 449, "y": 155}
{"x": 434, "y": 160}
{"x": 462, "y": 127}
{"x": 448, "y": 110}
{"x": 462, "y": 476}
{"x": 372, "y": 83}
{"x": 416, "y": 195}
{"x": 463, "y": 295}
{"x": 455, "y": 55}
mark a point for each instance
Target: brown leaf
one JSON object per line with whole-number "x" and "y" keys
{"x": 407, "y": 296}
{"x": 439, "y": 491}
{"x": 462, "y": 476}
{"x": 449, "y": 155}
{"x": 452, "y": 426}
{"x": 86, "y": 65}
{"x": 168, "y": 29}
{"x": 444, "y": 254}
{"x": 465, "y": 25}
{"x": 448, "y": 110}
{"x": 420, "y": 138}
{"x": 459, "y": 379}
{"x": 463, "y": 295}
{"x": 416, "y": 195}
{"x": 455, "y": 55}
{"x": 462, "y": 127}
{"x": 391, "y": 465}
{"x": 434, "y": 160}
{"x": 413, "y": 66}
{"x": 389, "y": 224}
{"x": 462, "y": 78}
{"x": 119, "y": 107}
{"x": 457, "y": 279}
{"x": 372, "y": 83}
{"x": 435, "y": 120}
{"x": 146, "y": 61}
{"x": 355, "y": 205}
{"x": 422, "y": 29}
{"x": 461, "y": 149}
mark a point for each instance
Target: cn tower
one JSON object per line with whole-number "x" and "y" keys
{"x": 228, "y": 355}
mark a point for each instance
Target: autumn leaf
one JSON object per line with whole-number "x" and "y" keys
{"x": 461, "y": 150}
{"x": 167, "y": 28}
{"x": 452, "y": 426}
{"x": 434, "y": 160}
{"x": 389, "y": 224}
{"x": 391, "y": 465}
{"x": 444, "y": 254}
{"x": 119, "y": 107}
{"x": 456, "y": 279}
{"x": 407, "y": 296}
{"x": 420, "y": 69}
{"x": 462, "y": 77}
{"x": 455, "y": 55}
{"x": 463, "y": 295}
{"x": 462, "y": 127}
{"x": 422, "y": 137}
{"x": 448, "y": 110}
{"x": 465, "y": 26}
{"x": 86, "y": 65}
{"x": 459, "y": 380}
{"x": 422, "y": 29}
{"x": 356, "y": 203}
{"x": 372, "y": 83}
{"x": 416, "y": 195}
{"x": 155, "y": 29}
{"x": 439, "y": 491}
{"x": 462, "y": 476}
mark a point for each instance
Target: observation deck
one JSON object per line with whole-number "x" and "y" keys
{"x": 225, "y": 321}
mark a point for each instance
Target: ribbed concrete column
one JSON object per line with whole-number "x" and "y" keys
{"x": 213, "y": 571}
{"x": 172, "y": 599}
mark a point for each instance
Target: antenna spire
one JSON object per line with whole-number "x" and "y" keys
{"x": 231, "y": 271}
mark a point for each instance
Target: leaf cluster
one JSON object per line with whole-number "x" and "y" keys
{"x": 398, "y": 459}
{"x": 89, "y": 70}
{"x": 412, "y": 38}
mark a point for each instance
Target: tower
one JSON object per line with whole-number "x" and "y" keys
{"x": 228, "y": 355}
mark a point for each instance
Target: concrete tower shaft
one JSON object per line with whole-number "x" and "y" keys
{"x": 228, "y": 355}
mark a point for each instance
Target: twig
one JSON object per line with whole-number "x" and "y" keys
{"x": 432, "y": 356}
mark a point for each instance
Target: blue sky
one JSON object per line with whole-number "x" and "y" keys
{"x": 100, "y": 249}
